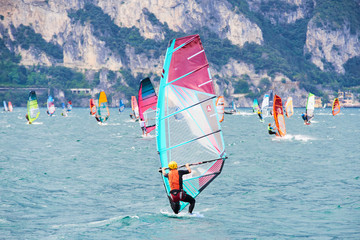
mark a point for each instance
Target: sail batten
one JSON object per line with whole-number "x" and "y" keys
{"x": 188, "y": 128}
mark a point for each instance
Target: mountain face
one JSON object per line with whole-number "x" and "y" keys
{"x": 252, "y": 46}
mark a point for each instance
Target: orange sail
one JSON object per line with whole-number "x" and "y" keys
{"x": 92, "y": 107}
{"x": 336, "y": 107}
{"x": 278, "y": 114}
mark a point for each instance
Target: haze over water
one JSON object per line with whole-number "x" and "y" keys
{"x": 70, "y": 178}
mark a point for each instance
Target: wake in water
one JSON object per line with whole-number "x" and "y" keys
{"x": 149, "y": 136}
{"x": 181, "y": 214}
{"x": 298, "y": 137}
{"x": 96, "y": 223}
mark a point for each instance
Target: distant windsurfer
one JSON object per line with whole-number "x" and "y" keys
{"x": 259, "y": 114}
{"x": 27, "y": 118}
{"x": 143, "y": 128}
{"x": 97, "y": 118}
{"x": 305, "y": 118}
{"x": 177, "y": 193}
{"x": 271, "y": 130}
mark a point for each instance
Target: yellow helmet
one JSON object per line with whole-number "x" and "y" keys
{"x": 172, "y": 165}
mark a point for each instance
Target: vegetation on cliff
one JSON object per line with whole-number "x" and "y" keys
{"x": 282, "y": 51}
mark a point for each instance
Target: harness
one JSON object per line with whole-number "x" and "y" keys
{"x": 176, "y": 194}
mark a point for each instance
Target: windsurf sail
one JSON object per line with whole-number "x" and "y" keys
{"x": 310, "y": 105}
{"x": 5, "y": 106}
{"x": 220, "y": 106}
{"x": 336, "y": 107}
{"x": 92, "y": 107}
{"x": 64, "y": 112}
{"x": 121, "y": 106}
{"x": 50, "y": 106}
{"x": 256, "y": 107}
{"x": 233, "y": 106}
{"x": 147, "y": 104}
{"x": 186, "y": 87}
{"x": 135, "y": 107}
{"x": 278, "y": 114}
{"x": 10, "y": 107}
{"x": 103, "y": 109}
{"x": 289, "y": 107}
{"x": 265, "y": 106}
{"x": 32, "y": 107}
{"x": 69, "y": 106}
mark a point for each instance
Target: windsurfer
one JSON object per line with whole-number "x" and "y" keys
{"x": 143, "y": 128}
{"x": 97, "y": 118}
{"x": 177, "y": 193}
{"x": 305, "y": 118}
{"x": 259, "y": 114}
{"x": 27, "y": 118}
{"x": 271, "y": 130}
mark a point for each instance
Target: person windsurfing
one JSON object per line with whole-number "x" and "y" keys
{"x": 27, "y": 118}
{"x": 177, "y": 193}
{"x": 305, "y": 118}
{"x": 259, "y": 114}
{"x": 143, "y": 128}
{"x": 271, "y": 130}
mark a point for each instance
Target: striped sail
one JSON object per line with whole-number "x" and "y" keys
{"x": 92, "y": 107}
{"x": 147, "y": 104}
{"x": 336, "y": 107}
{"x": 279, "y": 116}
{"x": 103, "y": 109}
{"x": 10, "y": 107}
{"x": 121, "y": 106}
{"x": 50, "y": 106}
{"x": 265, "y": 106}
{"x": 135, "y": 107}
{"x": 32, "y": 107}
{"x": 256, "y": 107}
{"x": 186, "y": 88}
{"x": 289, "y": 107}
{"x": 310, "y": 106}
{"x": 220, "y": 106}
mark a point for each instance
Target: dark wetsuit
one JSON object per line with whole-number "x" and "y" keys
{"x": 271, "y": 130}
{"x": 185, "y": 198}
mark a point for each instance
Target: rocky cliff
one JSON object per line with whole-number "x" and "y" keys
{"x": 84, "y": 50}
{"x": 329, "y": 45}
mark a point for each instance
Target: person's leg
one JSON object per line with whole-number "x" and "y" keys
{"x": 175, "y": 206}
{"x": 190, "y": 200}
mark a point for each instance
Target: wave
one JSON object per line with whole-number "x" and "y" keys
{"x": 99, "y": 223}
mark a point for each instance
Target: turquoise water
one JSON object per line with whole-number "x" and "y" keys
{"x": 70, "y": 178}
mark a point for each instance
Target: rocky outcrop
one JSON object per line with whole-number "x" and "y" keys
{"x": 335, "y": 46}
{"x": 282, "y": 11}
{"x": 83, "y": 50}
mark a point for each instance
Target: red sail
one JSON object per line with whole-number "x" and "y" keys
{"x": 279, "y": 116}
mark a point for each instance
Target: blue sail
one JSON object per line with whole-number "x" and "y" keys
{"x": 121, "y": 106}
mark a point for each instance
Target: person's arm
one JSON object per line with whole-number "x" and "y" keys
{"x": 188, "y": 167}
{"x": 163, "y": 171}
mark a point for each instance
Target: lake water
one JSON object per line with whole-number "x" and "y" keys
{"x": 70, "y": 178}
